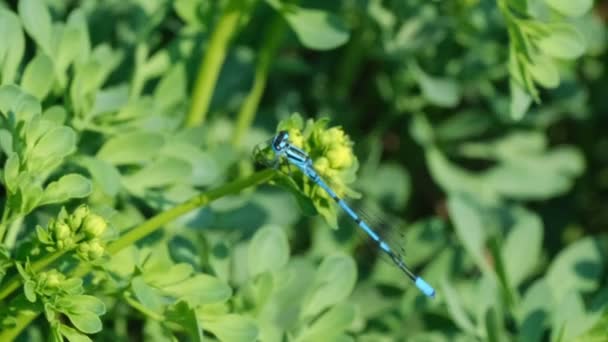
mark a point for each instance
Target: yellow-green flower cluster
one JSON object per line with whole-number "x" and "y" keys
{"x": 332, "y": 153}
{"x": 81, "y": 230}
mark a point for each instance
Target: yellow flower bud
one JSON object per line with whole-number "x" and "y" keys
{"x": 94, "y": 225}
{"x": 61, "y": 231}
{"x": 96, "y": 249}
{"x": 78, "y": 216}
{"x": 54, "y": 278}
{"x": 296, "y": 138}
{"x": 321, "y": 165}
{"x": 340, "y": 157}
{"x": 333, "y": 136}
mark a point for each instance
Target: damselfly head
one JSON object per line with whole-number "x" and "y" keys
{"x": 280, "y": 141}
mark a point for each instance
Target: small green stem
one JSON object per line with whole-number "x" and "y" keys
{"x": 139, "y": 307}
{"x": 23, "y": 318}
{"x": 4, "y": 221}
{"x": 273, "y": 36}
{"x": 212, "y": 61}
{"x": 139, "y": 232}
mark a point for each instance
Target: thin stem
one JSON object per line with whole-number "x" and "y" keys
{"x": 273, "y": 36}
{"x": 22, "y": 320}
{"x": 141, "y": 231}
{"x": 212, "y": 61}
{"x": 4, "y": 221}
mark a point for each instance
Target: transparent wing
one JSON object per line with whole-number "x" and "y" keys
{"x": 389, "y": 229}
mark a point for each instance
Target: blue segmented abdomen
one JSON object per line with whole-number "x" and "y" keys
{"x": 425, "y": 287}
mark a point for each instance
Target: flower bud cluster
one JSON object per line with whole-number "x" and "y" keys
{"x": 81, "y": 230}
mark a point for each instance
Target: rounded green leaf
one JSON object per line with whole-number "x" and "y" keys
{"x": 316, "y": 29}
{"x": 131, "y": 148}
{"x": 231, "y": 328}
{"x": 268, "y": 250}
{"x": 442, "y": 92}
{"x": 69, "y": 186}
{"x": 11, "y": 172}
{"x": 331, "y": 324}
{"x": 12, "y": 47}
{"x": 87, "y": 303}
{"x": 36, "y": 19}
{"x": 468, "y": 223}
{"x": 522, "y": 248}
{"x": 38, "y": 76}
{"x": 578, "y": 267}
{"x": 159, "y": 173}
{"x": 544, "y": 71}
{"x": 72, "y": 334}
{"x": 200, "y": 289}
{"x": 104, "y": 174}
{"x": 85, "y": 321}
{"x": 571, "y": 8}
{"x": 334, "y": 281}
{"x": 563, "y": 41}
{"x": 57, "y": 143}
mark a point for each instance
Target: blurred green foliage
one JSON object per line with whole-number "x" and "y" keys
{"x": 126, "y": 131}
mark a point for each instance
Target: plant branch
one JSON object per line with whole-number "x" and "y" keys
{"x": 273, "y": 36}
{"x": 212, "y": 62}
{"x": 141, "y": 231}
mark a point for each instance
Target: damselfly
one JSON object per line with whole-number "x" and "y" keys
{"x": 284, "y": 150}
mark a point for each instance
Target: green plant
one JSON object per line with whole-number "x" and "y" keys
{"x": 129, "y": 209}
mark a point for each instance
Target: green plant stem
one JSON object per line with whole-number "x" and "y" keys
{"x": 4, "y": 222}
{"x": 23, "y": 319}
{"x": 212, "y": 62}
{"x": 141, "y": 231}
{"x": 272, "y": 40}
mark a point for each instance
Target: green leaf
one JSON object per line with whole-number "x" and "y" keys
{"x": 334, "y": 281}
{"x": 12, "y": 47}
{"x": 69, "y": 186}
{"x": 563, "y": 41}
{"x": 146, "y": 295}
{"x": 537, "y": 176}
{"x": 578, "y": 267}
{"x": 11, "y": 172}
{"x": 38, "y": 76}
{"x": 331, "y": 324}
{"x": 87, "y": 303}
{"x": 316, "y": 29}
{"x": 103, "y": 173}
{"x": 268, "y": 250}
{"x": 544, "y": 71}
{"x": 571, "y": 319}
{"x": 85, "y": 321}
{"x": 522, "y": 248}
{"x": 520, "y": 101}
{"x": 29, "y": 289}
{"x": 442, "y": 92}
{"x": 469, "y": 226}
{"x": 200, "y": 289}
{"x": 55, "y": 144}
{"x": 73, "y": 335}
{"x": 182, "y": 314}
{"x": 23, "y": 105}
{"x": 535, "y": 311}
{"x": 162, "y": 172}
{"x": 456, "y": 309}
{"x": 131, "y": 148}
{"x": 37, "y": 22}
{"x": 571, "y": 8}
{"x": 231, "y": 328}
{"x": 171, "y": 89}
